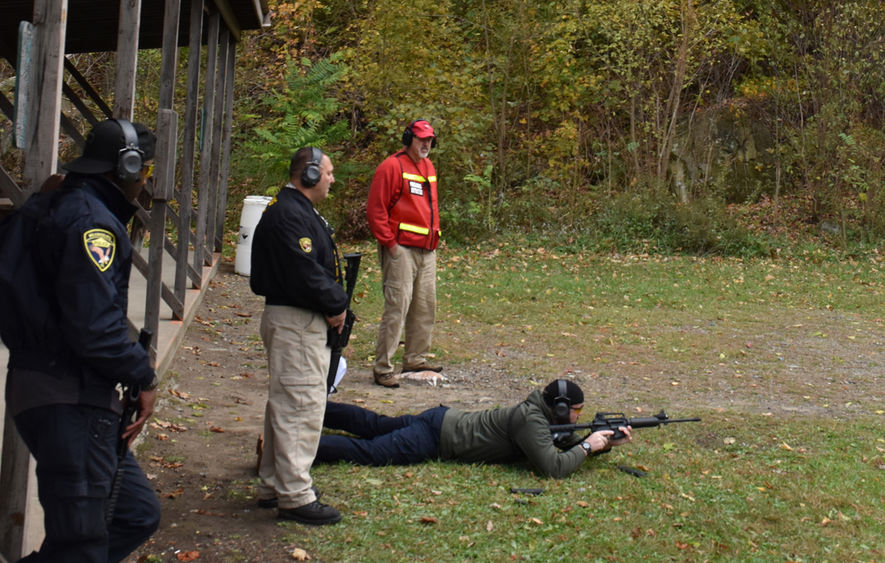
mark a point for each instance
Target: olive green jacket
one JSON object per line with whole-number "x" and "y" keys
{"x": 505, "y": 435}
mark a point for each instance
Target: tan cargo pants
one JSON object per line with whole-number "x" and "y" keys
{"x": 409, "y": 281}
{"x": 298, "y": 361}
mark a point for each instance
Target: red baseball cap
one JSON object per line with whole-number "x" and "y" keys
{"x": 422, "y": 129}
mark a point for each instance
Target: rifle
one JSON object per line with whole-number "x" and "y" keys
{"x": 613, "y": 421}
{"x": 130, "y": 407}
{"x": 335, "y": 340}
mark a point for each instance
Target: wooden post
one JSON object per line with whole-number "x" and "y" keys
{"x": 127, "y": 58}
{"x": 41, "y": 160}
{"x": 226, "y": 137}
{"x": 41, "y": 152}
{"x": 185, "y": 206}
{"x": 215, "y": 201}
{"x": 202, "y": 255}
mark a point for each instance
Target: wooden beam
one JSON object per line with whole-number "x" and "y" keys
{"x": 8, "y": 188}
{"x": 87, "y": 87}
{"x": 127, "y": 58}
{"x": 230, "y": 20}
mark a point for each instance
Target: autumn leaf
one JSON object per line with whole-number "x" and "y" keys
{"x": 187, "y": 555}
{"x": 429, "y": 520}
{"x": 216, "y": 429}
{"x": 299, "y": 554}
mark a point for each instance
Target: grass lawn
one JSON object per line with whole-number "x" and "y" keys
{"x": 783, "y": 360}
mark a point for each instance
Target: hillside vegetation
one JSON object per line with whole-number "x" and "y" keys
{"x": 730, "y": 127}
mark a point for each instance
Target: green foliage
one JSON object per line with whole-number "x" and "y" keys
{"x": 646, "y": 222}
{"x": 574, "y": 104}
{"x": 301, "y": 114}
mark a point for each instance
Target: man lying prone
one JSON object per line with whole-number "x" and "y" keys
{"x": 500, "y": 435}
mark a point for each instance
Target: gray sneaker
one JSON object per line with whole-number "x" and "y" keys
{"x": 313, "y": 514}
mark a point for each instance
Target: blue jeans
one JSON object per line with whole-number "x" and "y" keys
{"x": 382, "y": 440}
{"x": 75, "y": 449}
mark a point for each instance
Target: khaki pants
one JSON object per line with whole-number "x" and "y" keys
{"x": 298, "y": 361}
{"x": 409, "y": 281}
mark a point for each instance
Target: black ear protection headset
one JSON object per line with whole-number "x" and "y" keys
{"x": 561, "y": 403}
{"x": 130, "y": 160}
{"x": 311, "y": 175}
{"x": 408, "y": 135}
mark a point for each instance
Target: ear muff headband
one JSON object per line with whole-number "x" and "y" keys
{"x": 311, "y": 175}
{"x": 408, "y": 135}
{"x": 130, "y": 160}
{"x": 561, "y": 404}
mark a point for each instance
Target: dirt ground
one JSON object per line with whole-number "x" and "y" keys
{"x": 200, "y": 449}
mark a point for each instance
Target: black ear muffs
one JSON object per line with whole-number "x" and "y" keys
{"x": 311, "y": 175}
{"x": 561, "y": 403}
{"x": 130, "y": 160}
{"x": 408, "y": 135}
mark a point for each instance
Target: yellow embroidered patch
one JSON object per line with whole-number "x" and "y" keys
{"x": 101, "y": 246}
{"x": 306, "y": 244}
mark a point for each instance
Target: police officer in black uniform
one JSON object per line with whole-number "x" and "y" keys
{"x": 295, "y": 266}
{"x": 65, "y": 259}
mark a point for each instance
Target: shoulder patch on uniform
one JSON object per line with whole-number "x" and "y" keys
{"x": 306, "y": 244}
{"x": 101, "y": 246}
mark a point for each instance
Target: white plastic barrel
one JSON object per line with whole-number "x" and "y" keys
{"x": 253, "y": 207}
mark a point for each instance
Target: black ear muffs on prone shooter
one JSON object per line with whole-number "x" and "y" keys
{"x": 561, "y": 403}
{"x": 312, "y": 174}
{"x": 408, "y": 135}
{"x": 130, "y": 161}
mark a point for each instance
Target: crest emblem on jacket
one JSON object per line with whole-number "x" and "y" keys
{"x": 101, "y": 247}
{"x": 306, "y": 244}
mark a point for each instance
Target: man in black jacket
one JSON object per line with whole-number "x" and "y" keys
{"x": 295, "y": 267}
{"x": 65, "y": 259}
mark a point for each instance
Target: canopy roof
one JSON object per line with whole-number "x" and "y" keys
{"x": 92, "y": 24}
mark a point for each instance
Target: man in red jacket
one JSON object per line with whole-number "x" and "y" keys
{"x": 403, "y": 214}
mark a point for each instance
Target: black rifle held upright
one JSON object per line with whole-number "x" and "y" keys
{"x": 338, "y": 341}
{"x": 130, "y": 408}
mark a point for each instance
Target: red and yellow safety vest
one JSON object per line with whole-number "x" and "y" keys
{"x": 403, "y": 206}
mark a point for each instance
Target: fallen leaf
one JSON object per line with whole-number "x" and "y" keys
{"x": 187, "y": 555}
{"x": 174, "y": 494}
{"x": 216, "y": 429}
{"x": 536, "y": 521}
{"x": 299, "y": 554}
{"x": 489, "y": 526}
{"x": 429, "y": 520}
